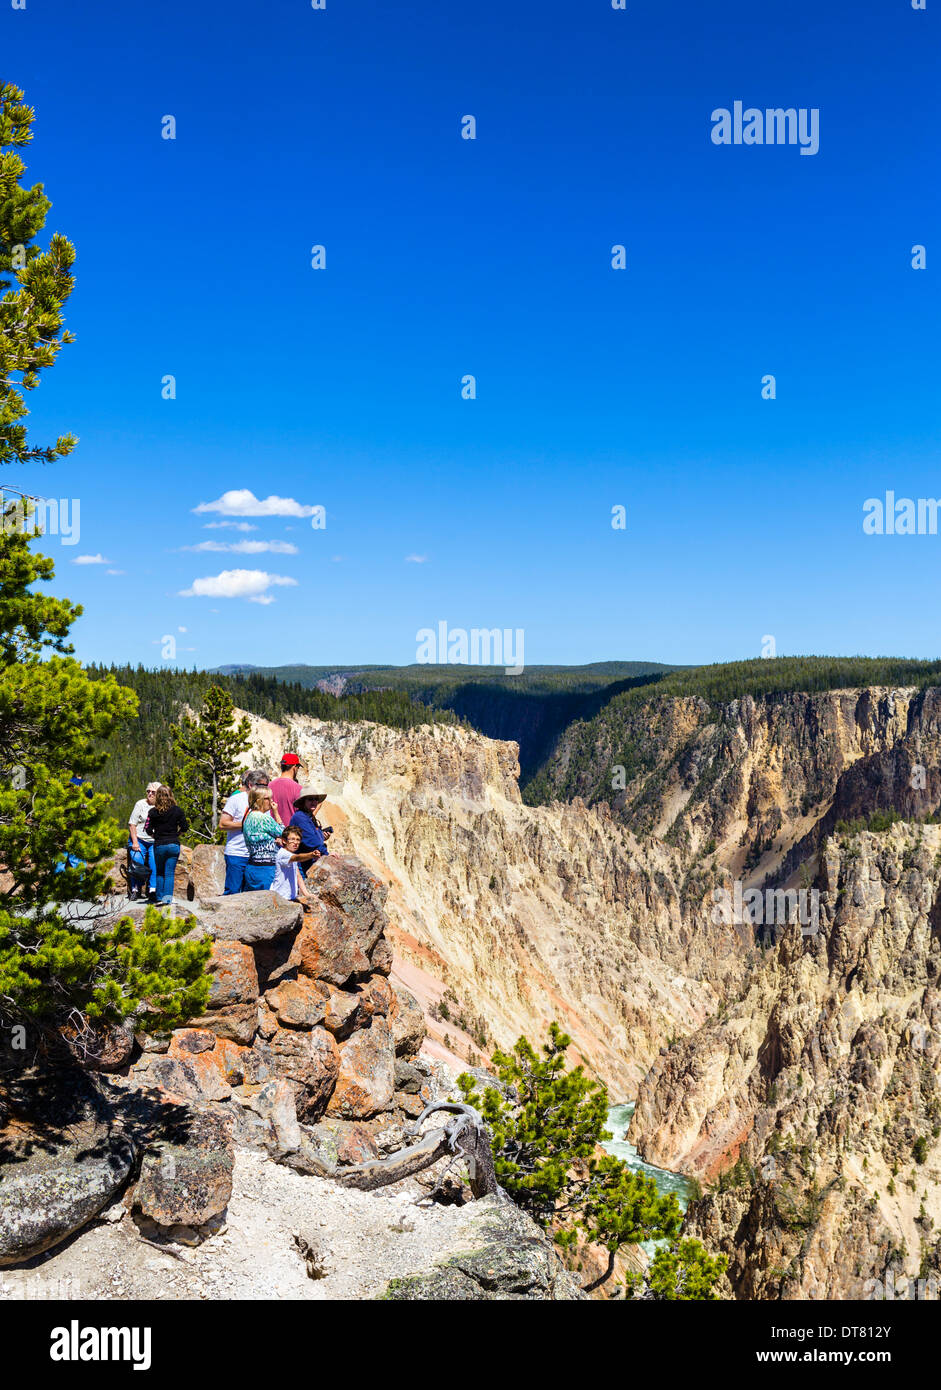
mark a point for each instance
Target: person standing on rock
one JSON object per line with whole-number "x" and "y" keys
{"x": 313, "y": 834}
{"x": 233, "y": 813}
{"x": 166, "y": 823}
{"x": 286, "y": 789}
{"x": 138, "y": 839}
{"x": 262, "y": 833}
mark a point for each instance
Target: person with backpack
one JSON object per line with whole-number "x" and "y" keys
{"x": 166, "y": 823}
{"x": 140, "y": 847}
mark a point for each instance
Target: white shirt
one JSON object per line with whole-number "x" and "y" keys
{"x": 285, "y": 876}
{"x": 236, "y": 806}
{"x": 141, "y": 811}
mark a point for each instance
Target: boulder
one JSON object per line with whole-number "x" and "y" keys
{"x": 408, "y": 1022}
{"x": 207, "y": 872}
{"x": 348, "y": 885}
{"x": 380, "y": 957}
{"x": 309, "y": 1060}
{"x": 181, "y": 876}
{"x": 187, "y": 1072}
{"x": 298, "y": 1003}
{"x": 107, "y": 1048}
{"x": 344, "y": 1011}
{"x": 407, "y": 1077}
{"x": 499, "y": 1254}
{"x": 186, "y": 1177}
{"x": 366, "y": 1080}
{"x": 248, "y": 917}
{"x": 234, "y": 975}
{"x": 376, "y": 996}
{"x": 231, "y": 1011}
{"x": 238, "y": 1022}
{"x": 63, "y": 1160}
{"x": 325, "y": 948}
{"x": 273, "y": 1118}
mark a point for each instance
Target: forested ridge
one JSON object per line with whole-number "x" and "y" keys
{"x": 140, "y": 749}
{"x": 619, "y": 734}
{"x": 575, "y": 712}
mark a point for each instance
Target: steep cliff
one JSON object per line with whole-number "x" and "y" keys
{"x": 822, "y": 1082}
{"x": 523, "y": 914}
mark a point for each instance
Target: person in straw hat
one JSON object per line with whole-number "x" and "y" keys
{"x": 313, "y": 835}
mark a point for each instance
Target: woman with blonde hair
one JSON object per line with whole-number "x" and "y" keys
{"x": 261, "y": 831}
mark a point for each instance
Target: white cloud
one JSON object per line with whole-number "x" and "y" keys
{"x": 247, "y": 584}
{"x": 247, "y": 547}
{"x": 232, "y": 525}
{"x": 90, "y": 560}
{"x": 181, "y": 629}
{"x": 243, "y": 502}
{"x": 416, "y": 559}
{"x": 116, "y": 571}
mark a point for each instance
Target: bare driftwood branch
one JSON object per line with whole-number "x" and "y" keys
{"x": 466, "y": 1135}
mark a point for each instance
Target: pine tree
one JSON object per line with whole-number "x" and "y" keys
{"x": 546, "y": 1131}
{"x": 685, "y": 1271}
{"x": 54, "y": 833}
{"x": 208, "y": 753}
{"x": 54, "y": 717}
{"x": 34, "y": 285}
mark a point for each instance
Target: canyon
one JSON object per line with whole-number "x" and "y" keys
{"x": 795, "y": 1076}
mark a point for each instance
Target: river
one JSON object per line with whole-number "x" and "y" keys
{"x": 619, "y": 1117}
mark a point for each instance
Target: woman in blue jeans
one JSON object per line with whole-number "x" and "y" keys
{"x": 166, "y": 823}
{"x": 261, "y": 832}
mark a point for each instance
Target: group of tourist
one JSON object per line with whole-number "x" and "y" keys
{"x": 272, "y": 836}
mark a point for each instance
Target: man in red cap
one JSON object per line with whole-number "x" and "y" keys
{"x": 284, "y": 789}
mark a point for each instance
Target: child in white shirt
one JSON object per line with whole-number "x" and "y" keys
{"x": 288, "y": 883}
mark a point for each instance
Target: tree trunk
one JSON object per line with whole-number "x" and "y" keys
{"x": 466, "y": 1134}
{"x": 215, "y": 804}
{"x": 596, "y": 1283}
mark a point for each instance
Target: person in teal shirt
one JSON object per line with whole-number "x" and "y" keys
{"x": 262, "y": 833}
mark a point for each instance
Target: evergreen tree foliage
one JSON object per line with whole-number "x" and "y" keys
{"x": 34, "y": 285}
{"x": 685, "y": 1271}
{"x": 208, "y": 751}
{"x": 546, "y": 1130}
{"x": 53, "y": 719}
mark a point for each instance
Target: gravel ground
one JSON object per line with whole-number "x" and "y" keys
{"x": 360, "y": 1240}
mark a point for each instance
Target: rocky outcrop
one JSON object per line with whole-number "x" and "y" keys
{"x": 507, "y": 1258}
{"x": 63, "y": 1159}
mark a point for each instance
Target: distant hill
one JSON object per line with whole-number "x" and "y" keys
{"x": 533, "y": 709}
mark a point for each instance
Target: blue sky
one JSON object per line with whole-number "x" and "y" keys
{"x": 341, "y": 387}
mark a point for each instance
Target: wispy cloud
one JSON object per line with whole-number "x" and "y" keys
{"x": 243, "y": 502}
{"x": 247, "y": 584}
{"x": 231, "y": 525}
{"x": 247, "y": 547}
{"x": 416, "y": 559}
{"x": 90, "y": 560}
